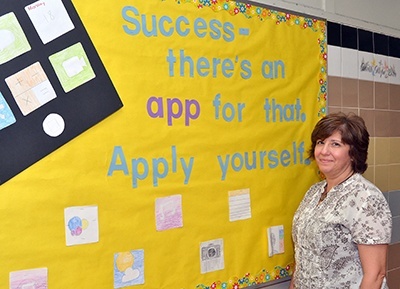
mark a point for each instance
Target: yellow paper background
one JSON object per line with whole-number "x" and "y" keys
{"x": 32, "y": 204}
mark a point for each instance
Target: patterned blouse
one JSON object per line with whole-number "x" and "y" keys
{"x": 326, "y": 235}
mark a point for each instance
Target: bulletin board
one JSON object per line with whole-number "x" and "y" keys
{"x": 181, "y": 152}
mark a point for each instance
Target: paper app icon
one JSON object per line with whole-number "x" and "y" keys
{"x": 50, "y": 19}
{"x": 13, "y": 41}
{"x": 72, "y": 67}
{"x": 31, "y": 88}
{"x": 7, "y": 118}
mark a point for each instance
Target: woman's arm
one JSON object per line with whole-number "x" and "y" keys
{"x": 291, "y": 286}
{"x": 373, "y": 262}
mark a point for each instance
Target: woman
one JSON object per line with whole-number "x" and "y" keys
{"x": 342, "y": 227}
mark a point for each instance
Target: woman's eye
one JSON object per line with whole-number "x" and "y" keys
{"x": 335, "y": 144}
{"x": 319, "y": 142}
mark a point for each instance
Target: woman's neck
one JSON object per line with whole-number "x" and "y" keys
{"x": 334, "y": 181}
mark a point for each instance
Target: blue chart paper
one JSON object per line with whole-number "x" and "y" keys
{"x": 35, "y": 107}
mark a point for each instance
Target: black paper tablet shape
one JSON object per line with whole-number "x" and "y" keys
{"x": 53, "y": 88}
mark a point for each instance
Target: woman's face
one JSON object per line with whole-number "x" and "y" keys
{"x": 332, "y": 156}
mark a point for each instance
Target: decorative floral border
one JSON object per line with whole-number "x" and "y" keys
{"x": 249, "y": 280}
{"x": 280, "y": 18}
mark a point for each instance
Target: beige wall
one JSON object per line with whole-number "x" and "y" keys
{"x": 379, "y": 104}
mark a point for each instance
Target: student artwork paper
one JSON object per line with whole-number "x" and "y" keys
{"x": 13, "y": 41}
{"x": 29, "y": 279}
{"x": 7, "y": 118}
{"x": 239, "y": 205}
{"x": 169, "y": 213}
{"x": 128, "y": 268}
{"x": 275, "y": 240}
{"x": 72, "y": 67}
{"x": 50, "y": 18}
{"x": 81, "y": 225}
{"x": 31, "y": 88}
{"x": 212, "y": 256}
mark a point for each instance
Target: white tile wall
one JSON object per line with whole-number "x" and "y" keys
{"x": 395, "y": 63}
{"x": 334, "y": 60}
{"x": 382, "y": 62}
{"x": 367, "y": 60}
{"x": 344, "y": 62}
{"x": 350, "y": 63}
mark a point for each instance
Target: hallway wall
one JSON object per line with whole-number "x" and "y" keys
{"x": 363, "y": 77}
{"x": 368, "y": 29}
{"x": 376, "y": 16}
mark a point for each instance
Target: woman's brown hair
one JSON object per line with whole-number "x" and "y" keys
{"x": 353, "y": 131}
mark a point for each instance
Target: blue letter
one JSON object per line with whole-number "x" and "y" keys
{"x": 136, "y": 30}
{"x": 162, "y": 28}
{"x": 228, "y": 29}
{"x": 178, "y": 26}
{"x": 273, "y": 157}
{"x": 217, "y": 103}
{"x": 135, "y": 171}
{"x": 147, "y": 32}
{"x": 200, "y": 24}
{"x": 240, "y": 158}
{"x": 187, "y": 169}
{"x": 246, "y": 69}
{"x": 171, "y": 59}
{"x": 215, "y": 26}
{"x": 285, "y": 158}
{"x": 203, "y": 64}
{"x": 114, "y": 166}
{"x": 224, "y": 167}
{"x": 227, "y": 68}
{"x": 156, "y": 173}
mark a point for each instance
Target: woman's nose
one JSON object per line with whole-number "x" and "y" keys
{"x": 325, "y": 149}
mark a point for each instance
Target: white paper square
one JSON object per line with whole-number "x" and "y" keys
{"x": 239, "y": 205}
{"x": 212, "y": 256}
{"x": 50, "y": 18}
{"x": 81, "y": 225}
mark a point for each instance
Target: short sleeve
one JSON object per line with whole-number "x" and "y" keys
{"x": 372, "y": 220}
